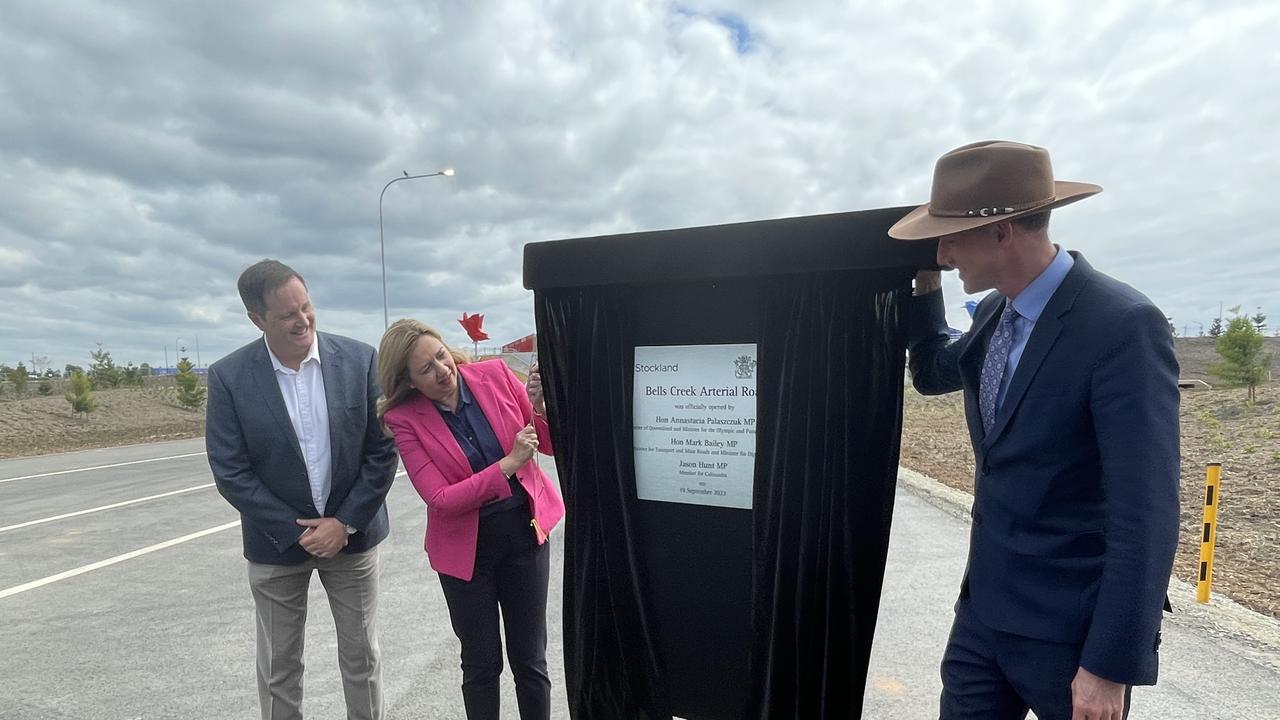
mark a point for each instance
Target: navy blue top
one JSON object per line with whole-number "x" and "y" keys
{"x": 478, "y": 442}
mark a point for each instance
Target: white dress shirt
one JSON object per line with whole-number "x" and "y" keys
{"x": 303, "y": 393}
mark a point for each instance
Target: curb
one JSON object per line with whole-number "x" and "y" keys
{"x": 1257, "y": 636}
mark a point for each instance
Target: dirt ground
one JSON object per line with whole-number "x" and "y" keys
{"x": 1217, "y": 426}
{"x": 45, "y": 424}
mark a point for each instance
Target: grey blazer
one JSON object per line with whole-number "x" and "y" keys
{"x": 257, "y": 461}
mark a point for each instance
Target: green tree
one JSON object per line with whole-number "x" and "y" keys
{"x": 18, "y": 376}
{"x": 145, "y": 369}
{"x": 1215, "y": 330}
{"x": 71, "y": 370}
{"x": 131, "y": 376}
{"x": 1243, "y": 362}
{"x": 81, "y": 394}
{"x": 103, "y": 372}
{"x": 45, "y": 387}
{"x": 1260, "y": 320}
{"x": 190, "y": 393}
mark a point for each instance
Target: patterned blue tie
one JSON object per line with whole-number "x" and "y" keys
{"x": 993, "y": 366}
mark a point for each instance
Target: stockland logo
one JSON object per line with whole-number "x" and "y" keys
{"x": 657, "y": 367}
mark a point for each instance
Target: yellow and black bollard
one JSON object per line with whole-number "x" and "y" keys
{"x": 1209, "y": 534}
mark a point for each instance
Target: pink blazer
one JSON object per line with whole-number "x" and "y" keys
{"x": 441, "y": 474}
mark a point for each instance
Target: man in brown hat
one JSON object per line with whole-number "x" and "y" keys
{"x": 1071, "y": 396}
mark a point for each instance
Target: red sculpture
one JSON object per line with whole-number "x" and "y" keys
{"x": 472, "y": 324}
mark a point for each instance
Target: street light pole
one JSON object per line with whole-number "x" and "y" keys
{"x": 382, "y": 246}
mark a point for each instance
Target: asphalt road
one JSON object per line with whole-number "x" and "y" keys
{"x": 123, "y": 595}
{"x": 169, "y": 633}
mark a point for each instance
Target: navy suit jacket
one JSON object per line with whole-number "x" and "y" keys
{"x": 257, "y": 461}
{"x": 1075, "y": 514}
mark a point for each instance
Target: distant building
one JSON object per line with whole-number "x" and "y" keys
{"x": 519, "y": 355}
{"x": 526, "y": 344}
{"x": 174, "y": 371}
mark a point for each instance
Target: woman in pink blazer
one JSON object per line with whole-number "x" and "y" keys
{"x": 466, "y": 433}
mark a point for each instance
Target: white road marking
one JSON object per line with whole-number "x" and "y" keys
{"x": 112, "y": 561}
{"x": 112, "y": 506}
{"x": 99, "y": 467}
{"x": 126, "y": 556}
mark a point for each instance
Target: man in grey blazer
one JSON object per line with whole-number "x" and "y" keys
{"x": 296, "y": 448}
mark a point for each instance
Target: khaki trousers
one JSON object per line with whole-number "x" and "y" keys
{"x": 280, "y": 598}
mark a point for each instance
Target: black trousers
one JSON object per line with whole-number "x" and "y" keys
{"x": 511, "y": 574}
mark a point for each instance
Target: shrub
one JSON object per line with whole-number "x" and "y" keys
{"x": 190, "y": 393}
{"x": 1243, "y": 362}
{"x": 81, "y": 394}
{"x": 18, "y": 376}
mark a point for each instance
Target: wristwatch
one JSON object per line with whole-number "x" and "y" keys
{"x": 350, "y": 530}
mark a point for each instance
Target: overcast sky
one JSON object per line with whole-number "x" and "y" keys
{"x": 150, "y": 151}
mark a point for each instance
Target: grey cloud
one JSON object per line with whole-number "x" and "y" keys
{"x": 150, "y": 151}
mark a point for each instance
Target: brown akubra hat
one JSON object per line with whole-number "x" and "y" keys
{"x": 988, "y": 182}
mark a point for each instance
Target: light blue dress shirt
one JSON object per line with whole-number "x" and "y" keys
{"x": 1028, "y": 305}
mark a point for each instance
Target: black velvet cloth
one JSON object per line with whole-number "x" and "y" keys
{"x": 708, "y": 612}
{"x": 830, "y": 430}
